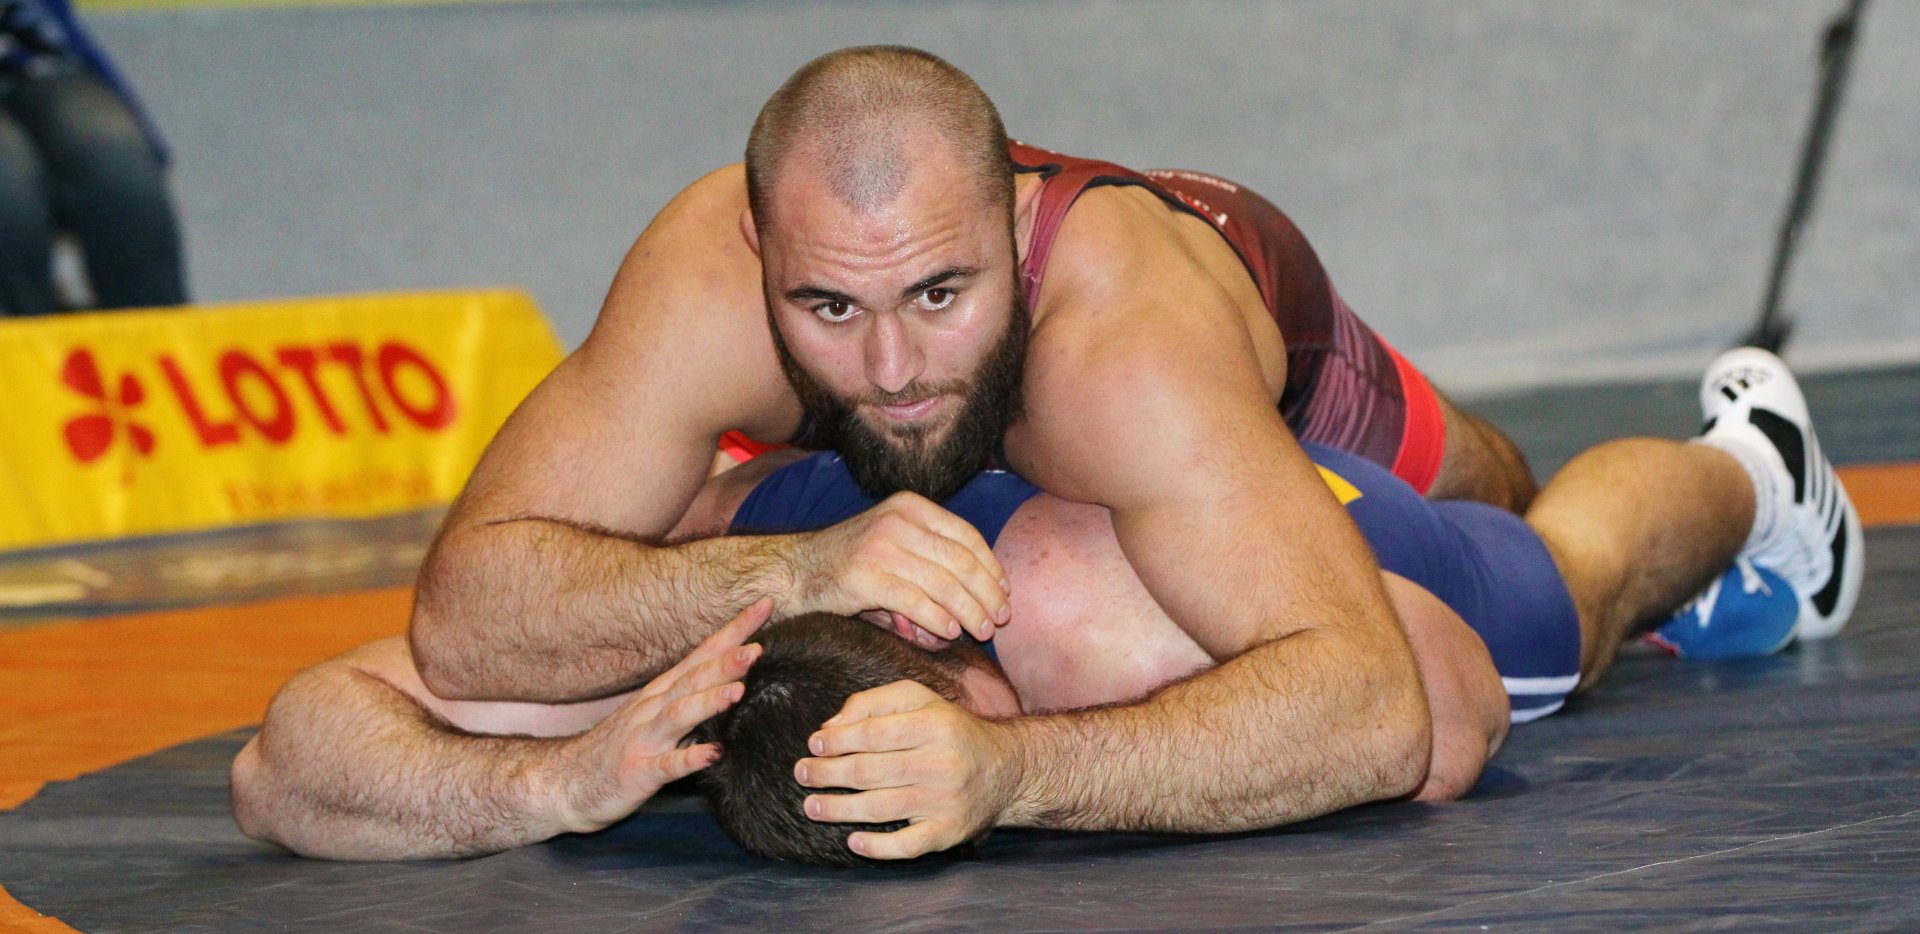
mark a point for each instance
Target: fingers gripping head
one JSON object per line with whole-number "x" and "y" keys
{"x": 810, "y": 666}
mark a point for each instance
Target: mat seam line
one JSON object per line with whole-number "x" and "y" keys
{"x": 1621, "y": 872}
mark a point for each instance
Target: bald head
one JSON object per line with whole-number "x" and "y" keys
{"x": 861, "y": 119}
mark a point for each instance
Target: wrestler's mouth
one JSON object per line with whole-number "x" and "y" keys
{"x": 910, "y": 411}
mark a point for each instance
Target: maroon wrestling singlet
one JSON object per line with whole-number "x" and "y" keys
{"x": 1345, "y": 388}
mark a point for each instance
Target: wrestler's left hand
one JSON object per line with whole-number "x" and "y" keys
{"x": 913, "y": 756}
{"x": 595, "y": 778}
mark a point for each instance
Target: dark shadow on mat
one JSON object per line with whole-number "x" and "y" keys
{"x": 1780, "y": 791}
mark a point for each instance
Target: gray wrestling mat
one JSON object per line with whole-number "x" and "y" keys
{"x": 1778, "y": 791}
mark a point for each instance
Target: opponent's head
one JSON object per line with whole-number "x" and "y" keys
{"x": 810, "y": 666}
{"x": 881, "y": 198}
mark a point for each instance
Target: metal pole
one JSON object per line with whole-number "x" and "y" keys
{"x": 1836, "y": 51}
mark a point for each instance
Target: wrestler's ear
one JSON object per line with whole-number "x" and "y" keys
{"x": 1025, "y": 203}
{"x": 749, "y": 231}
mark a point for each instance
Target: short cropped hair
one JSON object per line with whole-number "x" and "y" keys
{"x": 809, "y": 667}
{"x": 853, "y": 111}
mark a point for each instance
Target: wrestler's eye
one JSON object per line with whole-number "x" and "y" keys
{"x": 834, "y": 312}
{"x": 935, "y": 299}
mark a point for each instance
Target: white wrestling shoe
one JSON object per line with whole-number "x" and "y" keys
{"x": 1806, "y": 530}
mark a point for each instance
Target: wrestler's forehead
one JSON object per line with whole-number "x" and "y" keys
{"x": 940, "y": 200}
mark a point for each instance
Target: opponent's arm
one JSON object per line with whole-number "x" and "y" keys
{"x": 552, "y": 579}
{"x": 357, "y": 760}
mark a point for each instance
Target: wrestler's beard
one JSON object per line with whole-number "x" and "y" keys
{"x": 883, "y": 463}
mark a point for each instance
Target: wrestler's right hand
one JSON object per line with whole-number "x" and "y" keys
{"x": 910, "y": 559}
{"x": 606, "y": 773}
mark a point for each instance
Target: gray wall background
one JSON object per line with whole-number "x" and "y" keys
{"x": 1513, "y": 191}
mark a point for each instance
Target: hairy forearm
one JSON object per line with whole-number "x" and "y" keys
{"x": 1291, "y": 729}
{"x": 550, "y": 612}
{"x": 348, "y": 767}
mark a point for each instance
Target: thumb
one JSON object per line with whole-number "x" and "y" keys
{"x": 898, "y": 697}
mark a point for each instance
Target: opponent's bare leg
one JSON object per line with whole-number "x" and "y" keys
{"x": 1480, "y": 463}
{"x": 1638, "y": 526}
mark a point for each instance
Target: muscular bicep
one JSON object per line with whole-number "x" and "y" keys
{"x": 1146, "y": 393}
{"x": 621, "y": 433}
{"x": 1217, "y": 508}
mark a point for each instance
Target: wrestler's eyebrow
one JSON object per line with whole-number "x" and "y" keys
{"x": 814, "y": 293}
{"x": 939, "y": 278}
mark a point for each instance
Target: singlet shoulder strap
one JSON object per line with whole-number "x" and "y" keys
{"x": 1063, "y": 179}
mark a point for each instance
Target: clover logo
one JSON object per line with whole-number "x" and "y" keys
{"x": 89, "y": 436}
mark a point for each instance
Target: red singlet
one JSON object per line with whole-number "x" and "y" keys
{"x": 1346, "y": 388}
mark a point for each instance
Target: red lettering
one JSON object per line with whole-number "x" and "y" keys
{"x": 350, "y": 356}
{"x": 303, "y": 360}
{"x": 432, "y": 417}
{"x": 212, "y": 434}
{"x": 235, "y": 365}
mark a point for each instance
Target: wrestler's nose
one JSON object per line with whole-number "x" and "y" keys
{"x": 893, "y": 358}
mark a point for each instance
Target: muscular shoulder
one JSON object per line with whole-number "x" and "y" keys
{"x": 1114, "y": 238}
{"x": 693, "y": 249}
{"x": 1128, "y": 274}
{"x": 687, "y": 301}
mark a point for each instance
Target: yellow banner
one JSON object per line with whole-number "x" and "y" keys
{"x": 140, "y": 422}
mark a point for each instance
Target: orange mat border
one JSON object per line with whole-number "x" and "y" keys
{"x": 1885, "y": 494}
{"x": 84, "y": 696}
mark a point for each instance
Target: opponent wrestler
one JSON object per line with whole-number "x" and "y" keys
{"x": 1086, "y": 633}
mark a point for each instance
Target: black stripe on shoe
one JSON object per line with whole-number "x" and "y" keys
{"x": 1830, "y": 594}
{"x": 1792, "y": 446}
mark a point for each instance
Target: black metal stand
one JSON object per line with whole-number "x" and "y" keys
{"x": 1836, "y": 50}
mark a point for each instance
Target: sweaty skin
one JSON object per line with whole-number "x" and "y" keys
{"x": 359, "y": 760}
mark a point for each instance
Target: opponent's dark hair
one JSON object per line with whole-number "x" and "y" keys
{"x": 853, "y": 111}
{"x": 809, "y": 667}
